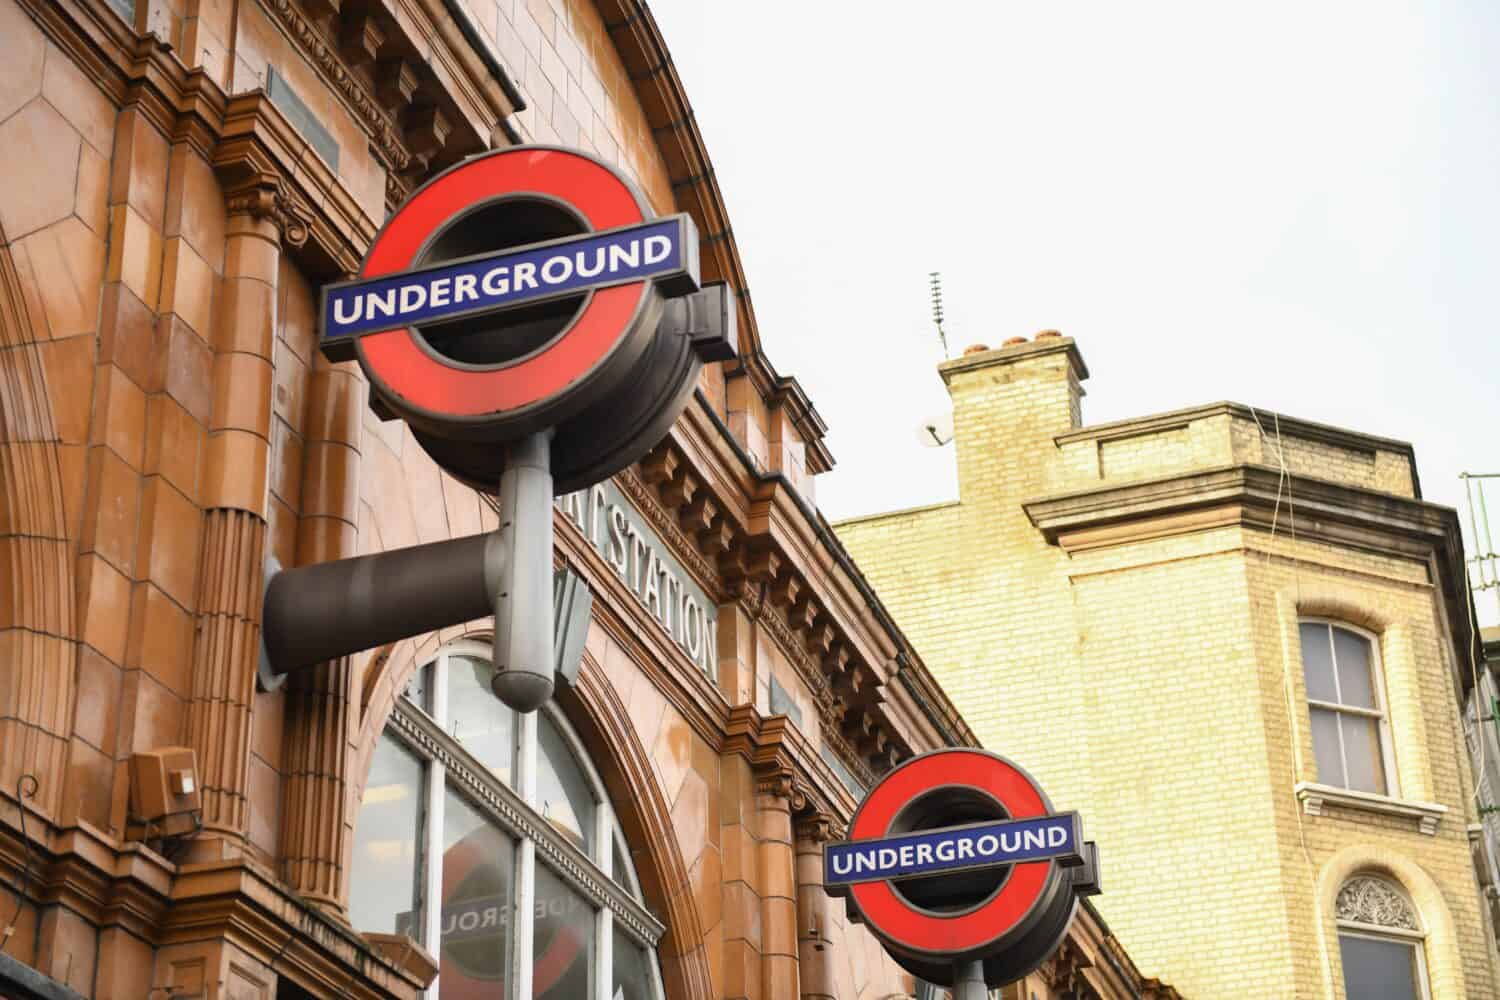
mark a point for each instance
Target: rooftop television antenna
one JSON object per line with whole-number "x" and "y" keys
{"x": 935, "y": 286}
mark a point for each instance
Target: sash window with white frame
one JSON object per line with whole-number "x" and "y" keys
{"x": 488, "y": 837}
{"x": 1346, "y": 707}
{"x": 1381, "y": 942}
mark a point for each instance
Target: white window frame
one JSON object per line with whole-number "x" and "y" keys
{"x": 1378, "y": 932}
{"x": 422, "y": 729}
{"x": 1380, "y": 713}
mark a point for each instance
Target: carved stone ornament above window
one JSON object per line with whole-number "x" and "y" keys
{"x": 1366, "y": 899}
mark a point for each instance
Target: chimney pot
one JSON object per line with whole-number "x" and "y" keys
{"x": 1048, "y": 335}
{"x": 1013, "y": 341}
{"x": 976, "y": 349}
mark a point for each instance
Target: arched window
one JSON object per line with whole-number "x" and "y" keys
{"x": 1346, "y": 706}
{"x": 1380, "y": 941}
{"x": 504, "y": 823}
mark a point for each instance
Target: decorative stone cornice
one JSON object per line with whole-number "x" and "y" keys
{"x": 785, "y": 763}
{"x": 619, "y": 613}
{"x": 757, "y": 573}
{"x": 277, "y": 205}
{"x": 1064, "y": 969}
{"x": 781, "y": 785}
{"x": 381, "y": 128}
{"x": 261, "y": 162}
{"x": 815, "y": 827}
{"x": 130, "y": 886}
{"x": 1316, "y": 798}
{"x": 668, "y": 528}
{"x": 1262, "y": 497}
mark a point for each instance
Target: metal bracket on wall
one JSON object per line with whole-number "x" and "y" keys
{"x": 313, "y": 614}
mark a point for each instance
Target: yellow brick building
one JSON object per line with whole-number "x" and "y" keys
{"x": 1140, "y": 611}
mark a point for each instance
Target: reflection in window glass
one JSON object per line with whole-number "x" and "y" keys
{"x": 623, "y": 868}
{"x": 453, "y": 880}
{"x": 1352, "y": 654}
{"x": 1325, "y": 734}
{"x": 418, "y": 688}
{"x": 479, "y": 720}
{"x": 563, "y": 942}
{"x": 562, "y": 790}
{"x": 1338, "y": 665}
{"x": 383, "y": 893}
{"x": 1380, "y": 968}
{"x": 1366, "y": 771}
{"x": 632, "y": 977}
{"x": 1317, "y": 662}
{"x": 478, "y": 897}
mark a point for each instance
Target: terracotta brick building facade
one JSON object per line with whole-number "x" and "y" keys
{"x": 1150, "y": 613}
{"x": 179, "y": 179}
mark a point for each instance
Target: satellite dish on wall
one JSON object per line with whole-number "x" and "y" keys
{"x": 934, "y": 432}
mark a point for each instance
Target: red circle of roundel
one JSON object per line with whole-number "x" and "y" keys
{"x": 896, "y": 919}
{"x": 396, "y": 357}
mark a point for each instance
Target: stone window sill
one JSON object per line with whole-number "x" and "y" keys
{"x": 1314, "y": 797}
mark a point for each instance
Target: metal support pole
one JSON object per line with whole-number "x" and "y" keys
{"x": 968, "y": 981}
{"x": 524, "y": 660}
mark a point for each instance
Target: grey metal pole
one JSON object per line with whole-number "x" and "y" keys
{"x": 523, "y": 604}
{"x": 968, "y": 981}
{"x": 327, "y": 610}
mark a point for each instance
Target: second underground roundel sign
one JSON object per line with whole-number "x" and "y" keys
{"x": 956, "y": 857}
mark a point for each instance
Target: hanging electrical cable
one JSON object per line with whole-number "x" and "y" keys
{"x": 21, "y": 796}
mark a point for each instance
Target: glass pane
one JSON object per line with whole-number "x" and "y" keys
{"x": 562, "y": 949}
{"x": 563, "y": 794}
{"x": 478, "y": 895}
{"x": 632, "y": 973}
{"x": 479, "y": 720}
{"x": 383, "y": 890}
{"x": 1362, "y": 753}
{"x": 1317, "y": 662}
{"x": 1377, "y": 969}
{"x": 1352, "y": 653}
{"x": 1325, "y": 734}
{"x": 624, "y": 871}
{"x": 418, "y": 687}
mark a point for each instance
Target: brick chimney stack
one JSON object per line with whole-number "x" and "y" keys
{"x": 1008, "y": 404}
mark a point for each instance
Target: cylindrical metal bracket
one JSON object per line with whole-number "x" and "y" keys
{"x": 327, "y": 610}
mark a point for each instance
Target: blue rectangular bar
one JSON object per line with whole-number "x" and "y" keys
{"x": 932, "y": 852}
{"x": 491, "y": 282}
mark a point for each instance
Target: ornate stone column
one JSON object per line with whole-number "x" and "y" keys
{"x": 813, "y": 829}
{"x": 321, "y": 729}
{"x": 37, "y": 613}
{"x": 776, "y": 798}
{"x": 234, "y": 503}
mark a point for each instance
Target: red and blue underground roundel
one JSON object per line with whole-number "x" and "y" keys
{"x": 947, "y": 812}
{"x": 612, "y": 250}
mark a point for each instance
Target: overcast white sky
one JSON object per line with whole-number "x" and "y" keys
{"x": 1292, "y": 205}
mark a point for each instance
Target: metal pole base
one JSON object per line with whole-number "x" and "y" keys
{"x": 968, "y": 981}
